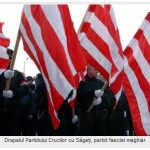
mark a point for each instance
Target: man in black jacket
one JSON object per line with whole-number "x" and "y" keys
{"x": 9, "y": 102}
{"x": 27, "y": 110}
{"x": 30, "y": 82}
{"x": 93, "y": 105}
{"x": 44, "y": 123}
{"x": 121, "y": 118}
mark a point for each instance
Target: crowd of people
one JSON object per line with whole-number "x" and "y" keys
{"x": 24, "y": 108}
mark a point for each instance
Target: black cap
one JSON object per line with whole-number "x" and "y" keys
{"x": 10, "y": 52}
{"x": 29, "y": 78}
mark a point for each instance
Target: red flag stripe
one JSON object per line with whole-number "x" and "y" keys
{"x": 39, "y": 53}
{"x": 96, "y": 40}
{"x": 38, "y": 57}
{"x": 134, "y": 109}
{"x": 95, "y": 53}
{"x": 96, "y": 24}
{"x": 137, "y": 101}
{"x": 29, "y": 52}
{"x": 106, "y": 15}
{"x": 99, "y": 11}
{"x": 4, "y": 60}
{"x": 101, "y": 30}
{"x": 144, "y": 84}
{"x": 137, "y": 83}
{"x": 48, "y": 59}
{"x": 51, "y": 49}
{"x": 114, "y": 29}
{"x": 145, "y": 41}
{"x": 143, "y": 44}
{"x": 4, "y": 41}
{"x": 140, "y": 59}
{"x": 3, "y": 63}
{"x": 95, "y": 63}
{"x": 74, "y": 47}
{"x": 57, "y": 45}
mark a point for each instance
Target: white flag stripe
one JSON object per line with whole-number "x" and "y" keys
{"x": 22, "y": 29}
{"x": 113, "y": 18}
{"x": 140, "y": 97}
{"x": 113, "y": 79}
{"x": 49, "y": 93}
{"x": 54, "y": 69}
{"x": 95, "y": 53}
{"x": 89, "y": 17}
{"x": 2, "y": 70}
{"x": 57, "y": 24}
{"x": 117, "y": 95}
{"x": 2, "y": 36}
{"x": 3, "y": 53}
{"x": 146, "y": 29}
{"x": 138, "y": 55}
{"x": 4, "y": 58}
{"x": 102, "y": 31}
{"x": 31, "y": 47}
{"x": 108, "y": 32}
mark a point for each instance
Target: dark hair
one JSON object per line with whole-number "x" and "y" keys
{"x": 29, "y": 78}
{"x": 10, "y": 52}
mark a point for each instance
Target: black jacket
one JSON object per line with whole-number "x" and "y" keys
{"x": 41, "y": 93}
{"x": 121, "y": 123}
{"x": 11, "y": 105}
{"x": 85, "y": 96}
{"x": 27, "y": 103}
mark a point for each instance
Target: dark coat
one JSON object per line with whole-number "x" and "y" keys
{"x": 27, "y": 103}
{"x": 9, "y": 108}
{"x": 44, "y": 123}
{"x": 97, "y": 121}
{"x": 85, "y": 96}
{"x": 11, "y": 105}
{"x": 121, "y": 123}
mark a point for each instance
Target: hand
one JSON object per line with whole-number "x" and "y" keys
{"x": 75, "y": 119}
{"x": 8, "y": 74}
{"x": 98, "y": 93}
{"x": 8, "y": 94}
{"x": 97, "y": 101}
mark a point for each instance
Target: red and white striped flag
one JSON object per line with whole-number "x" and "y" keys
{"x": 137, "y": 78}
{"x": 4, "y": 43}
{"x": 99, "y": 37}
{"x": 50, "y": 40}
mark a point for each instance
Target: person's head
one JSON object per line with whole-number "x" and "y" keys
{"x": 91, "y": 71}
{"x": 29, "y": 80}
{"x": 10, "y": 53}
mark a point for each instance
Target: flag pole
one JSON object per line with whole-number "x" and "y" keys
{"x": 102, "y": 89}
{"x": 8, "y": 81}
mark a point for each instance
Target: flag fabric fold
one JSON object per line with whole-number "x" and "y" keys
{"x": 137, "y": 78}
{"x": 50, "y": 40}
{"x": 4, "y": 43}
{"x": 99, "y": 38}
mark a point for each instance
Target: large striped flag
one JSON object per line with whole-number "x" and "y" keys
{"x": 50, "y": 40}
{"x": 137, "y": 78}
{"x": 4, "y": 43}
{"x": 99, "y": 37}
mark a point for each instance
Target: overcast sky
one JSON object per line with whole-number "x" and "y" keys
{"x": 128, "y": 16}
